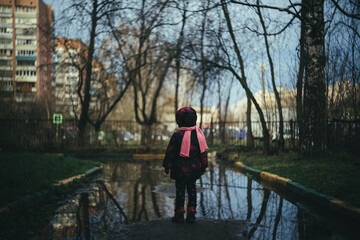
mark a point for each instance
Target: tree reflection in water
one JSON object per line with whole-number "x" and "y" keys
{"x": 125, "y": 194}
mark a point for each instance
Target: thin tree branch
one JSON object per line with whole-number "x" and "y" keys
{"x": 286, "y": 9}
{"x": 355, "y": 16}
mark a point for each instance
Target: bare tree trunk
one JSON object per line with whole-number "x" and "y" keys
{"x": 220, "y": 119}
{"x": 277, "y": 96}
{"x": 203, "y": 71}
{"x": 227, "y": 105}
{"x": 85, "y": 102}
{"x": 249, "y": 135}
{"x": 177, "y": 83}
{"x": 202, "y": 103}
{"x": 146, "y": 136}
{"x": 228, "y": 100}
{"x": 299, "y": 83}
{"x": 354, "y": 76}
{"x": 314, "y": 128}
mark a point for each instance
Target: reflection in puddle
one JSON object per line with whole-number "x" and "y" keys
{"x": 130, "y": 192}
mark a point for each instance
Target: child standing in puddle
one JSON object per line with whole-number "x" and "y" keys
{"x": 186, "y": 159}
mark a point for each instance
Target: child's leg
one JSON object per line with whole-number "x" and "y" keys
{"x": 179, "y": 202}
{"x": 180, "y": 196}
{"x": 191, "y": 190}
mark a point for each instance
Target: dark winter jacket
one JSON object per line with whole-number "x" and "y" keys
{"x": 185, "y": 168}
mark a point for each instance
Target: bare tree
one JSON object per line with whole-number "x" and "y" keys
{"x": 147, "y": 60}
{"x": 91, "y": 15}
{"x": 277, "y": 96}
{"x": 203, "y": 75}
{"x": 179, "y": 50}
{"x": 223, "y": 115}
{"x": 242, "y": 77}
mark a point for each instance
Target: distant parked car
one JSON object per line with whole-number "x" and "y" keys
{"x": 241, "y": 134}
{"x": 159, "y": 135}
{"x": 236, "y": 134}
{"x": 124, "y": 135}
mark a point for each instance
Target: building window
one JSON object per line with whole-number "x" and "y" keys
{"x": 29, "y": 32}
{"x": 5, "y": 30}
{"x": 25, "y": 42}
{"x": 25, "y": 9}
{"x": 25, "y": 21}
{"x": 5, "y": 20}
{"x": 5, "y": 9}
{"x": 26, "y": 52}
{"x": 5, "y": 41}
{"x": 5, "y": 73}
{"x": 25, "y": 73}
{"x": 7, "y": 84}
{"x": 5, "y": 63}
{"x": 25, "y": 63}
{"x": 5, "y": 52}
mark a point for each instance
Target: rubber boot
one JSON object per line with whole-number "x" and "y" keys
{"x": 178, "y": 217}
{"x": 190, "y": 217}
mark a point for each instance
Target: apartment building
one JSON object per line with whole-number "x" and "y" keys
{"x": 25, "y": 49}
{"x": 99, "y": 89}
{"x": 70, "y": 73}
{"x": 69, "y": 58}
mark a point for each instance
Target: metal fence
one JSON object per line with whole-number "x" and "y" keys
{"x": 43, "y": 135}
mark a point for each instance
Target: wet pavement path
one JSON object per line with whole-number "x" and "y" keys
{"x": 203, "y": 229}
{"x": 133, "y": 200}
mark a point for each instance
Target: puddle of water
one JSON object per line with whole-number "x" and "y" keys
{"x": 137, "y": 191}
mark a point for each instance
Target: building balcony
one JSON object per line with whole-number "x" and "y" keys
{"x": 26, "y": 78}
{"x": 26, "y": 58}
{"x": 5, "y": 58}
{"x": 26, "y": 47}
{"x": 6, "y": 24}
{"x": 6, "y": 46}
{"x": 6, "y": 79}
{"x": 26, "y": 68}
{"x": 8, "y": 89}
{"x": 25, "y": 15}
{"x": 25, "y": 25}
{"x": 26, "y": 89}
{"x": 6, "y": 68}
{"x": 23, "y": 36}
{"x": 6, "y": 14}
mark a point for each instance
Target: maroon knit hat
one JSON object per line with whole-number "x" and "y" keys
{"x": 186, "y": 117}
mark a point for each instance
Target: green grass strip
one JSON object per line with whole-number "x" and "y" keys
{"x": 24, "y": 174}
{"x": 335, "y": 175}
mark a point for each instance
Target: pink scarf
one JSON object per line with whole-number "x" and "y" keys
{"x": 185, "y": 144}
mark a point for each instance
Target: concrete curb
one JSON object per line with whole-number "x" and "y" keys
{"x": 102, "y": 156}
{"x": 29, "y": 200}
{"x": 148, "y": 156}
{"x": 71, "y": 179}
{"x": 119, "y": 156}
{"x": 281, "y": 184}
